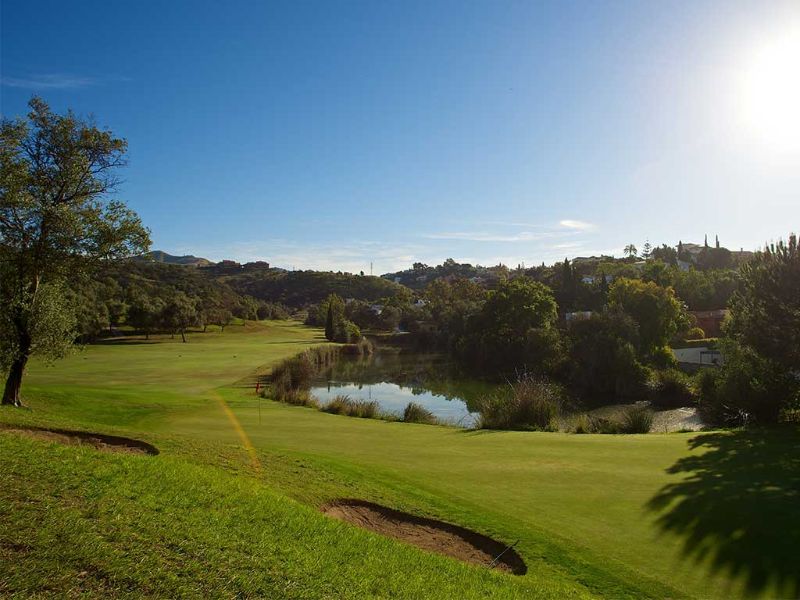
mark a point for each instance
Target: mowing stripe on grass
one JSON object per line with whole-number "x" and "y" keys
{"x": 237, "y": 426}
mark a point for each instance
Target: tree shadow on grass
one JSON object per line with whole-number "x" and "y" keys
{"x": 738, "y": 506}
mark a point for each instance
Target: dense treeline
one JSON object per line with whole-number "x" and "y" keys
{"x": 299, "y": 289}
{"x": 152, "y": 297}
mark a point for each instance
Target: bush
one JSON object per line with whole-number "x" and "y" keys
{"x": 663, "y": 358}
{"x": 637, "y": 419}
{"x": 695, "y": 333}
{"x": 531, "y": 404}
{"x": 361, "y": 348}
{"x": 291, "y": 379}
{"x": 347, "y": 332}
{"x": 344, "y": 405}
{"x": 604, "y": 425}
{"x": 746, "y": 389}
{"x": 416, "y": 413}
{"x": 603, "y": 364}
{"x": 582, "y": 424}
{"x": 671, "y": 389}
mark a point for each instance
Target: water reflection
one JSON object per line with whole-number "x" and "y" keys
{"x": 395, "y": 379}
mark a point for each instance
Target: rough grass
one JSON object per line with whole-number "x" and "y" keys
{"x": 528, "y": 404}
{"x": 346, "y": 406}
{"x": 416, "y": 413}
{"x": 208, "y": 518}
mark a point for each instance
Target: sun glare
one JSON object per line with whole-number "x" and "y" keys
{"x": 771, "y": 92}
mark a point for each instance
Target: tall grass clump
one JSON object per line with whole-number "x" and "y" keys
{"x": 291, "y": 380}
{"x": 345, "y": 405}
{"x": 362, "y": 347}
{"x": 530, "y": 404}
{"x": 637, "y": 418}
{"x": 416, "y": 413}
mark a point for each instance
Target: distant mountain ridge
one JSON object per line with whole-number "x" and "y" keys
{"x": 170, "y": 259}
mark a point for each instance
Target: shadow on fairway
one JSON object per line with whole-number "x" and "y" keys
{"x": 739, "y": 506}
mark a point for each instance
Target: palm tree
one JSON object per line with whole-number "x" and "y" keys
{"x": 630, "y": 251}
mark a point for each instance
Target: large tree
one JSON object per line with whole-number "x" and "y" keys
{"x": 656, "y": 310}
{"x": 515, "y": 329}
{"x": 56, "y": 220}
{"x": 765, "y": 310}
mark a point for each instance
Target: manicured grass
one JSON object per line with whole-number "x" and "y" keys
{"x": 609, "y": 516}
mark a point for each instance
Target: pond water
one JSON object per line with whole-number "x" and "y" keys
{"x": 393, "y": 379}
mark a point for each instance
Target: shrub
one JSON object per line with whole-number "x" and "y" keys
{"x": 695, "y": 333}
{"x": 603, "y": 363}
{"x": 346, "y": 332}
{"x": 291, "y": 379}
{"x": 637, "y": 419}
{"x": 344, "y": 405}
{"x": 531, "y": 404}
{"x": 416, "y": 413}
{"x": 361, "y": 348}
{"x": 582, "y": 424}
{"x": 746, "y": 389}
{"x": 662, "y": 358}
{"x": 604, "y": 425}
{"x": 671, "y": 389}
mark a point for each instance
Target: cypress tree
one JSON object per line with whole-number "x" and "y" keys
{"x": 329, "y": 325}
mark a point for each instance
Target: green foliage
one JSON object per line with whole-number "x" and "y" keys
{"x": 144, "y": 313}
{"x": 298, "y": 289}
{"x": 179, "y": 314}
{"x": 56, "y": 172}
{"x": 656, "y": 310}
{"x": 346, "y": 406}
{"x": 603, "y": 366}
{"x": 765, "y": 311}
{"x": 695, "y": 333}
{"x": 290, "y": 380}
{"x": 758, "y": 381}
{"x": 416, "y": 413}
{"x": 515, "y": 330}
{"x": 662, "y": 358}
{"x": 671, "y": 388}
{"x": 747, "y": 389}
{"x": 333, "y": 308}
{"x": 529, "y": 404}
{"x": 637, "y": 419}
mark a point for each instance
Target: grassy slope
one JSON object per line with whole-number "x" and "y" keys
{"x": 577, "y": 503}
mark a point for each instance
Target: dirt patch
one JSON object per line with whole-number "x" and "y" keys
{"x": 428, "y": 534}
{"x": 100, "y": 441}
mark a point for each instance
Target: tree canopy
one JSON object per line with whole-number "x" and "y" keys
{"x": 56, "y": 173}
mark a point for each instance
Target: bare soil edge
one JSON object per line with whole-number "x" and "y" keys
{"x": 429, "y": 534}
{"x": 100, "y": 441}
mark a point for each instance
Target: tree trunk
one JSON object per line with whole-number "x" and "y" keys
{"x": 14, "y": 383}
{"x": 183, "y": 336}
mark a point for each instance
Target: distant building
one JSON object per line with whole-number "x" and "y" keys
{"x": 693, "y": 358}
{"x": 710, "y": 321}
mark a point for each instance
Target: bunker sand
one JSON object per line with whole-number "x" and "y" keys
{"x": 429, "y": 534}
{"x": 100, "y": 441}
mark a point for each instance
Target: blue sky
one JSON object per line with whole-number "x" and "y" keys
{"x": 335, "y": 134}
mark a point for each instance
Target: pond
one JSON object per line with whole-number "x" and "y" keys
{"x": 393, "y": 379}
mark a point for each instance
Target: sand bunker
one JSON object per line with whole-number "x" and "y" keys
{"x": 100, "y": 441}
{"x": 428, "y": 534}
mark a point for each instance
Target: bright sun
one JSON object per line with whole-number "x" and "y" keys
{"x": 771, "y": 94}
